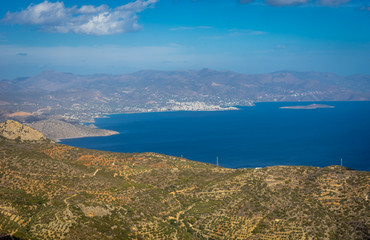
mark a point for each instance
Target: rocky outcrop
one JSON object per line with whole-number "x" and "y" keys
{"x": 14, "y": 130}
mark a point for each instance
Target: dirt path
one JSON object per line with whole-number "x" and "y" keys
{"x": 67, "y": 204}
{"x": 182, "y": 212}
{"x": 97, "y": 170}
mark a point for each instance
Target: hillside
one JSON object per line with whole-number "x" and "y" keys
{"x": 81, "y": 98}
{"x": 56, "y": 129}
{"x": 15, "y": 131}
{"x": 53, "y": 191}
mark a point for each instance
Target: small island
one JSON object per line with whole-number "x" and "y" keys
{"x": 311, "y": 106}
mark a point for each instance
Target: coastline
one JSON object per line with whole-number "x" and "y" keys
{"x": 106, "y": 132}
{"x": 146, "y": 110}
{"x": 178, "y": 133}
{"x": 216, "y": 108}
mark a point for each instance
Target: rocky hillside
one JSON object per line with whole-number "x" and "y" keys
{"x": 56, "y": 129}
{"x": 15, "y": 131}
{"x": 53, "y": 191}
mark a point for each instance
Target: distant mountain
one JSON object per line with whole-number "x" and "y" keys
{"x": 83, "y": 97}
{"x": 54, "y": 191}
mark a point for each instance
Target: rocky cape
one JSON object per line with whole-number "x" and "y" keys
{"x": 57, "y": 129}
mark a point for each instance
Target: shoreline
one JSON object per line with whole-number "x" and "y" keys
{"x": 230, "y": 108}
{"x": 238, "y": 107}
{"x": 107, "y": 115}
{"x": 112, "y": 132}
{"x": 271, "y": 109}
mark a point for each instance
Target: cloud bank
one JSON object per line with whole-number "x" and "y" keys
{"x": 88, "y": 19}
{"x": 299, "y": 2}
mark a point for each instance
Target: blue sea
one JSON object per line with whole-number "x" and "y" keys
{"x": 258, "y": 136}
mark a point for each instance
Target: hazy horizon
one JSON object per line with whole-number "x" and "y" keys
{"x": 178, "y": 70}
{"x": 120, "y": 37}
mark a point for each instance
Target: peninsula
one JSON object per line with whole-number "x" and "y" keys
{"x": 57, "y": 129}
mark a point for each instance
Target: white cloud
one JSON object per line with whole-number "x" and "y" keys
{"x": 88, "y": 19}
{"x": 242, "y": 32}
{"x": 43, "y": 13}
{"x": 92, "y": 9}
{"x": 138, "y": 5}
{"x": 286, "y": 2}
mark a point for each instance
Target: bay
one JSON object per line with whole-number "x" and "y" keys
{"x": 259, "y": 136}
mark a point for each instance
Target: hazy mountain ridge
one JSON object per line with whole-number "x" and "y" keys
{"x": 53, "y": 191}
{"x": 81, "y": 98}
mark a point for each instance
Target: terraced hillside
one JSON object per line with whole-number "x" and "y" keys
{"x": 53, "y": 191}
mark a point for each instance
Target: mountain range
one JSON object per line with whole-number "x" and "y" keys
{"x": 81, "y": 98}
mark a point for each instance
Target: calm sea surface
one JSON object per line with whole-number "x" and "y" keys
{"x": 258, "y": 136}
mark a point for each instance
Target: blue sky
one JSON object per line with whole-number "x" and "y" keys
{"x": 260, "y": 36}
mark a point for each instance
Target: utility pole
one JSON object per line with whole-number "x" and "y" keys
{"x": 341, "y": 162}
{"x": 217, "y": 161}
